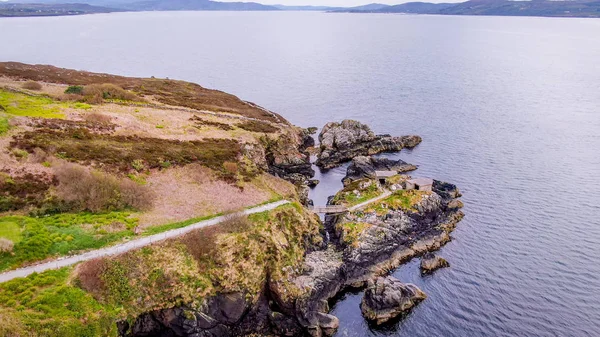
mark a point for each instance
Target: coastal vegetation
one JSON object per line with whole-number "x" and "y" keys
{"x": 88, "y": 299}
{"x": 79, "y": 174}
{"x": 357, "y": 192}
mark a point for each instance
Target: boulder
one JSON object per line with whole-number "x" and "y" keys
{"x": 430, "y": 263}
{"x": 328, "y": 323}
{"x": 365, "y": 167}
{"x": 343, "y": 141}
{"x": 284, "y": 325}
{"x": 387, "y": 298}
{"x": 313, "y": 182}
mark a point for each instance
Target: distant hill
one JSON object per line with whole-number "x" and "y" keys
{"x": 196, "y": 5}
{"x": 410, "y": 7}
{"x": 306, "y": 8}
{"x": 104, "y": 6}
{"x": 579, "y": 8}
{"x": 557, "y": 8}
{"x": 22, "y": 9}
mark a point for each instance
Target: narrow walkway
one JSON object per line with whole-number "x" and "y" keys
{"x": 125, "y": 247}
{"x": 333, "y": 209}
{"x": 370, "y": 201}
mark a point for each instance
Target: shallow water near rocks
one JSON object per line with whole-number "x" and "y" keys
{"x": 509, "y": 110}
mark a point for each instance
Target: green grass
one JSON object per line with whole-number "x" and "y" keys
{"x": 82, "y": 106}
{"x": 347, "y": 197}
{"x": 47, "y": 304}
{"x": 10, "y": 230}
{"x": 4, "y": 126}
{"x": 30, "y": 106}
{"x": 402, "y": 199}
{"x": 352, "y": 231}
{"x": 58, "y": 235}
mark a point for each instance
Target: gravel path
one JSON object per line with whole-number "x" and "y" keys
{"x": 127, "y": 246}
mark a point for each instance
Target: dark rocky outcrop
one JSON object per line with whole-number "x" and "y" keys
{"x": 365, "y": 167}
{"x": 387, "y": 298}
{"x": 343, "y": 141}
{"x": 430, "y": 263}
{"x": 287, "y": 157}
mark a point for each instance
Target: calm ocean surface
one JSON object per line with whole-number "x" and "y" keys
{"x": 509, "y": 110}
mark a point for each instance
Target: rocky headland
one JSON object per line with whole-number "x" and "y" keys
{"x": 190, "y": 152}
{"x": 341, "y": 142}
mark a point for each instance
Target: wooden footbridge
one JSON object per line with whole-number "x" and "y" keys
{"x": 330, "y": 209}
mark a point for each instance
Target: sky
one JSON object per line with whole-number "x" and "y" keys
{"x": 341, "y": 3}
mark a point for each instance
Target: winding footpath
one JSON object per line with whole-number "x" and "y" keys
{"x": 127, "y": 246}
{"x": 148, "y": 240}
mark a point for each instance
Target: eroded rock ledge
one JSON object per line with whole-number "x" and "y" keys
{"x": 340, "y": 142}
{"x": 387, "y": 298}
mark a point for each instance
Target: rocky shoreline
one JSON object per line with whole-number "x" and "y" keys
{"x": 363, "y": 246}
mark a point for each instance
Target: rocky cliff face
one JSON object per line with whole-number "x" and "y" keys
{"x": 340, "y": 142}
{"x": 287, "y": 156}
{"x": 390, "y": 234}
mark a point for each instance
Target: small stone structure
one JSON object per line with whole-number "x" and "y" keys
{"x": 382, "y": 176}
{"x": 420, "y": 184}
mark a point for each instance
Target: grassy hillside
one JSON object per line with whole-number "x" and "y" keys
{"x": 90, "y": 160}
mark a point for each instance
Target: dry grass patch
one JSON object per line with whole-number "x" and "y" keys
{"x": 6, "y": 246}
{"x": 195, "y": 191}
{"x": 32, "y": 85}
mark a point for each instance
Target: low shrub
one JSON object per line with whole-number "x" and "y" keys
{"x": 32, "y": 85}
{"x": 119, "y": 152}
{"x": 6, "y": 246}
{"x": 97, "y": 191}
{"x": 26, "y": 190}
{"x": 200, "y": 123}
{"x": 201, "y": 243}
{"x": 256, "y": 126}
{"x": 95, "y": 93}
{"x": 89, "y": 275}
{"x": 74, "y": 90}
{"x": 96, "y": 117}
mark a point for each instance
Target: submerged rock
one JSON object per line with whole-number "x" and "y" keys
{"x": 343, "y": 141}
{"x": 365, "y": 167}
{"x": 387, "y": 298}
{"x": 430, "y": 263}
{"x": 313, "y": 182}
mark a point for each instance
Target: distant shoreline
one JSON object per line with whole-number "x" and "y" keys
{"x": 573, "y": 9}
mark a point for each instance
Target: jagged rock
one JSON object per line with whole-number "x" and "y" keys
{"x": 328, "y": 323}
{"x": 455, "y": 204}
{"x": 287, "y": 158}
{"x": 307, "y": 139}
{"x": 312, "y": 130}
{"x": 227, "y": 308}
{"x": 365, "y": 167}
{"x": 313, "y": 182}
{"x": 387, "y": 240}
{"x": 303, "y": 195}
{"x": 387, "y": 298}
{"x": 343, "y": 141}
{"x": 430, "y": 263}
{"x": 284, "y": 325}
